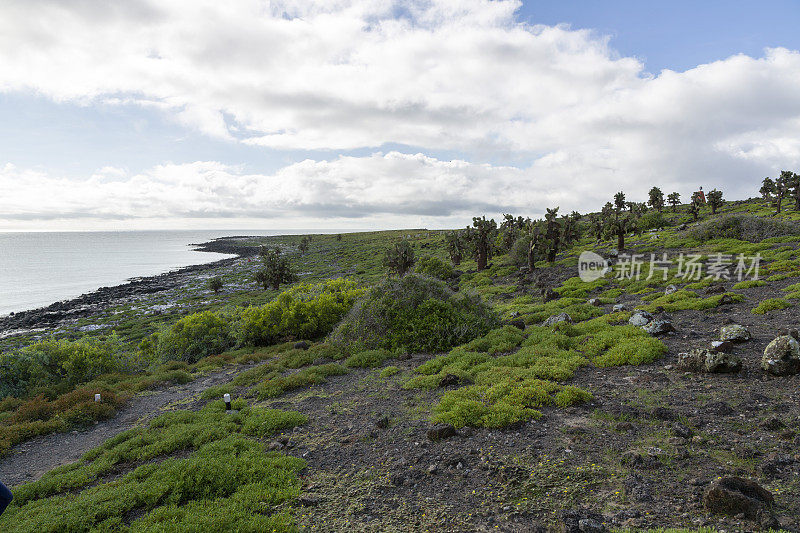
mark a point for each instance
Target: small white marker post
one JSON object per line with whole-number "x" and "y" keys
{"x": 227, "y": 398}
{"x": 97, "y": 397}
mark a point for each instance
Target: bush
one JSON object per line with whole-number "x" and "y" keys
{"x": 743, "y": 227}
{"x": 308, "y": 311}
{"x": 191, "y": 338}
{"x": 415, "y": 313}
{"x": 368, "y": 359}
{"x": 265, "y": 422}
{"x": 770, "y": 304}
{"x": 53, "y": 362}
{"x": 652, "y": 220}
{"x": 434, "y": 267}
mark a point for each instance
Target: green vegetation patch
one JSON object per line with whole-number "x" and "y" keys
{"x": 307, "y": 311}
{"x": 742, "y": 227}
{"x": 227, "y": 482}
{"x": 368, "y": 359}
{"x": 416, "y": 314}
{"x": 749, "y": 284}
{"x": 312, "y": 375}
{"x": 770, "y": 304}
{"x": 683, "y": 300}
{"x": 499, "y": 391}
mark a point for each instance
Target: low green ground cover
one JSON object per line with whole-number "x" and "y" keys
{"x": 226, "y": 482}
{"x": 502, "y": 390}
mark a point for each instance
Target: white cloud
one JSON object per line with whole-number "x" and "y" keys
{"x": 439, "y": 74}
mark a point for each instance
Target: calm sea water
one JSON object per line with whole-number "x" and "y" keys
{"x": 37, "y": 269}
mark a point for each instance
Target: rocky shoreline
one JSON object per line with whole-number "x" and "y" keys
{"x": 90, "y": 303}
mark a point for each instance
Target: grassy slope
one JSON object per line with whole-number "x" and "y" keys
{"x": 530, "y": 373}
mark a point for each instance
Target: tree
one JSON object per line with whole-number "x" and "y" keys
{"x": 794, "y": 185}
{"x": 715, "y": 200}
{"x": 619, "y": 201}
{"x": 552, "y": 233}
{"x": 674, "y": 200}
{"x": 304, "y": 242}
{"x": 767, "y": 188}
{"x": 455, "y": 246}
{"x": 571, "y": 231}
{"x": 480, "y": 236}
{"x": 596, "y": 226}
{"x": 620, "y": 222}
{"x": 782, "y": 188}
{"x": 656, "y": 200}
{"x": 696, "y": 204}
{"x": 215, "y": 284}
{"x": 275, "y": 270}
{"x": 400, "y": 257}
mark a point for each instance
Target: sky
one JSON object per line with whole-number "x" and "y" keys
{"x": 176, "y": 114}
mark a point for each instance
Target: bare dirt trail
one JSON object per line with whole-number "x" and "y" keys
{"x": 30, "y": 460}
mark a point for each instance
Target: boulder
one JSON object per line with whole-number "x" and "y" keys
{"x": 640, "y": 318}
{"x": 735, "y": 495}
{"x": 517, "y": 323}
{"x": 441, "y": 432}
{"x": 555, "y": 319}
{"x": 782, "y": 356}
{"x": 595, "y": 302}
{"x": 659, "y": 327}
{"x": 702, "y": 360}
{"x": 302, "y": 345}
{"x": 581, "y": 521}
{"x": 670, "y": 289}
{"x": 721, "y": 346}
{"x": 734, "y": 333}
{"x": 618, "y": 307}
{"x": 715, "y": 289}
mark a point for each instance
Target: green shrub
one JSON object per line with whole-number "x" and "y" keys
{"x": 434, "y": 267}
{"x": 416, "y": 314}
{"x": 770, "y": 304}
{"x": 53, "y": 362}
{"x": 368, "y": 359}
{"x": 652, "y": 220}
{"x": 743, "y": 227}
{"x": 227, "y": 482}
{"x": 749, "y": 284}
{"x": 389, "y": 371}
{"x": 313, "y": 375}
{"x": 265, "y": 422}
{"x": 191, "y": 338}
{"x": 307, "y": 311}
{"x": 503, "y": 403}
{"x": 216, "y": 391}
{"x": 498, "y": 340}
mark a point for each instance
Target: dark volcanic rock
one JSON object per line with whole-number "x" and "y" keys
{"x": 581, "y": 521}
{"x": 734, "y": 495}
{"x": 441, "y": 432}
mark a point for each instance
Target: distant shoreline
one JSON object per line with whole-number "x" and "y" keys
{"x": 90, "y": 303}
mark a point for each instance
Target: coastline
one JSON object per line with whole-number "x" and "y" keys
{"x": 89, "y": 303}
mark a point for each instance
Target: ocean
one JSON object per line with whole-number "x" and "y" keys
{"x": 38, "y": 269}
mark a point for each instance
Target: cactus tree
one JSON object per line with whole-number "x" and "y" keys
{"x": 552, "y": 233}
{"x": 674, "y": 200}
{"x": 656, "y": 199}
{"x": 400, "y": 257}
{"x": 715, "y": 200}
{"x": 481, "y": 236}
{"x": 456, "y": 244}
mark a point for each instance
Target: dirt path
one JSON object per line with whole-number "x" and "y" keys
{"x": 30, "y": 460}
